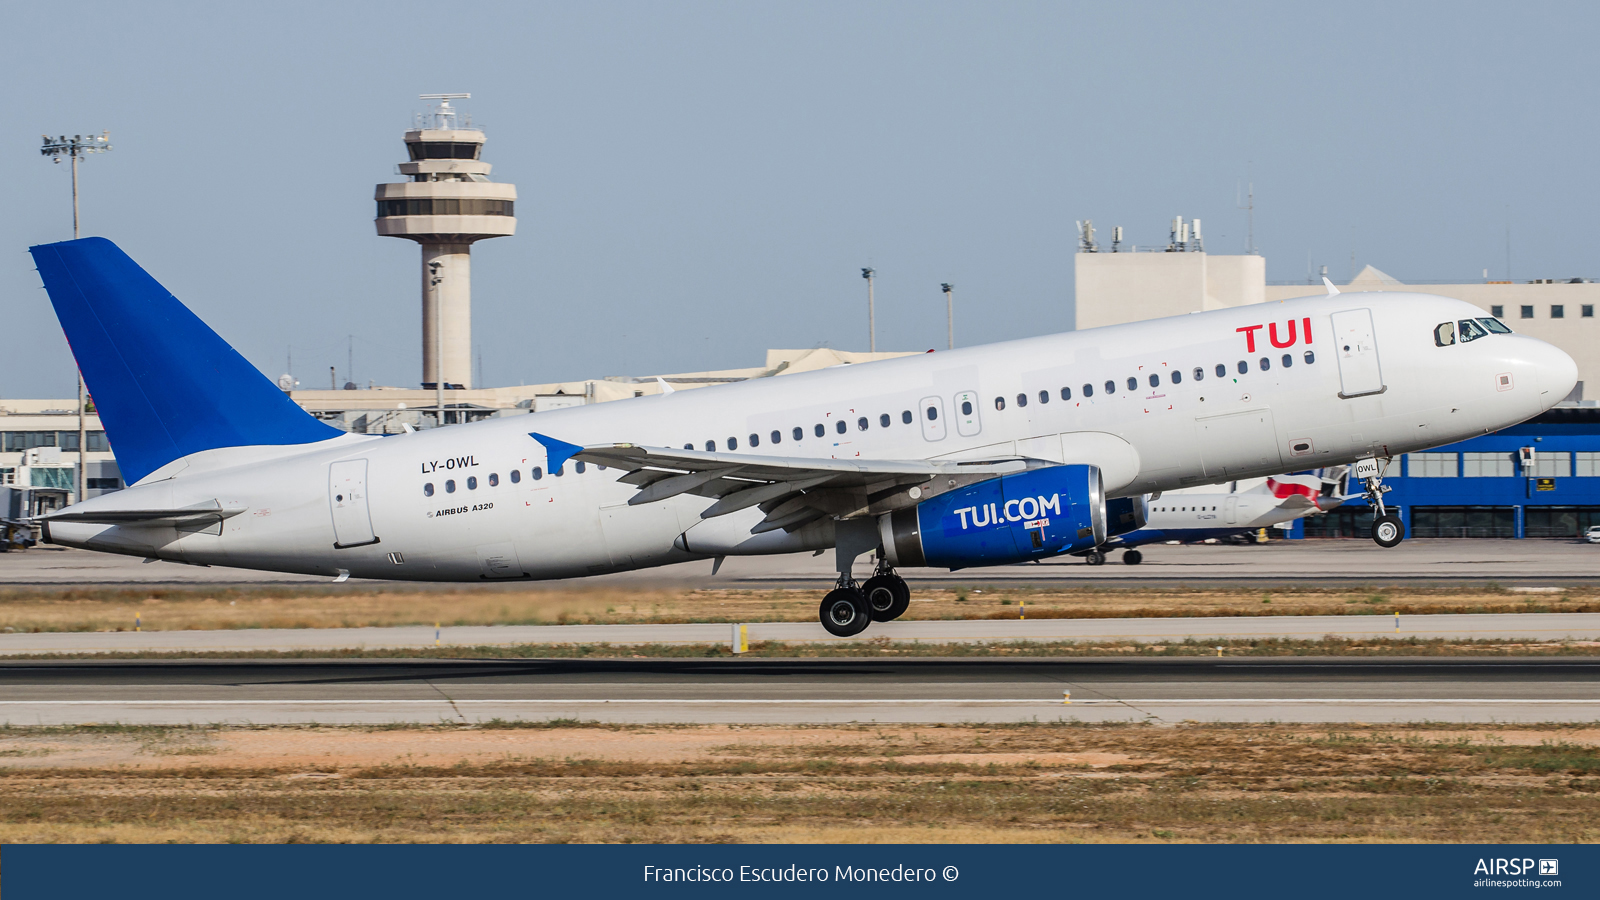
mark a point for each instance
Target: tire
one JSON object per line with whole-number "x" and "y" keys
{"x": 888, "y": 596}
{"x": 1095, "y": 558}
{"x": 844, "y": 612}
{"x": 1388, "y": 531}
{"x": 1133, "y": 557}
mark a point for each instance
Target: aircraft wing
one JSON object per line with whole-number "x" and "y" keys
{"x": 792, "y": 491}
{"x": 210, "y": 511}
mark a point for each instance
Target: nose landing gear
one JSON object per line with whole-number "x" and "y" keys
{"x": 1387, "y": 528}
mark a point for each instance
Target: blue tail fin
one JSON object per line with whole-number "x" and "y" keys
{"x": 165, "y": 384}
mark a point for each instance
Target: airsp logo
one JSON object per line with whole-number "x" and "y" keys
{"x": 1549, "y": 867}
{"x": 1501, "y": 866}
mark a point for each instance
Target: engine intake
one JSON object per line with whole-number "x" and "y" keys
{"x": 1013, "y": 518}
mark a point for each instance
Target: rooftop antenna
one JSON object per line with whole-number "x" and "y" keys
{"x": 444, "y": 115}
{"x": 1199, "y": 244}
{"x": 1116, "y": 237}
{"x": 1086, "y": 243}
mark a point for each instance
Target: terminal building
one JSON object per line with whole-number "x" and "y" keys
{"x": 1540, "y": 479}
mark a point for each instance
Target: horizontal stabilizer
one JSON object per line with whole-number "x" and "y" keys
{"x": 164, "y": 384}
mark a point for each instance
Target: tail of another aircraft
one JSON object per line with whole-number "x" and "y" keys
{"x": 164, "y": 383}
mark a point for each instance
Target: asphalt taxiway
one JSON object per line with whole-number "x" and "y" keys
{"x": 779, "y": 691}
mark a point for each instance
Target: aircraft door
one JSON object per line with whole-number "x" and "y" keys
{"x": 966, "y": 413}
{"x": 1230, "y": 510}
{"x": 931, "y": 412}
{"x": 1355, "y": 343}
{"x": 347, "y": 496}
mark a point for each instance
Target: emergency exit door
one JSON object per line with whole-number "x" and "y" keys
{"x": 1355, "y": 344}
{"x": 347, "y": 496}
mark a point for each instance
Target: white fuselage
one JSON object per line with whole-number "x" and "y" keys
{"x": 1171, "y": 435}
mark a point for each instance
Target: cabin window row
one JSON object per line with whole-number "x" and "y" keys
{"x": 840, "y": 426}
{"x": 514, "y": 476}
{"x": 1175, "y": 376}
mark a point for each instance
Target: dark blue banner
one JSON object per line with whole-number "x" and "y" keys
{"x": 69, "y": 872}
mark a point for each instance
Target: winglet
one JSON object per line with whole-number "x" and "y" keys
{"x": 1331, "y": 289}
{"x": 556, "y": 452}
{"x": 665, "y": 388}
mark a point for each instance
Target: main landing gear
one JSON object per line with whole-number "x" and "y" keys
{"x": 849, "y": 608}
{"x": 1387, "y": 529}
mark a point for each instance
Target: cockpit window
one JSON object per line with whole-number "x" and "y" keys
{"x": 1444, "y": 335}
{"x": 1471, "y": 331}
{"x": 1495, "y": 325}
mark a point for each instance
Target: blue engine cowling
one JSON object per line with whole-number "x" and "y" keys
{"x": 1013, "y": 518}
{"x": 1126, "y": 514}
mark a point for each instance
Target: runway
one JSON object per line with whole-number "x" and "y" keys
{"x": 777, "y": 691}
{"x": 1354, "y": 562}
{"x": 1518, "y": 626}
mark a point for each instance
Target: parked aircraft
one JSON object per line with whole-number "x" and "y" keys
{"x": 1187, "y": 516}
{"x": 985, "y": 455}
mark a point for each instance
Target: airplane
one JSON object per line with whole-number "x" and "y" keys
{"x": 1183, "y": 517}
{"x": 987, "y": 455}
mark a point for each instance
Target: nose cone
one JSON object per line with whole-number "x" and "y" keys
{"x": 1558, "y": 374}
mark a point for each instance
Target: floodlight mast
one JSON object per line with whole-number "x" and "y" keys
{"x": 950, "y": 311}
{"x": 872, "y": 317}
{"x": 75, "y": 148}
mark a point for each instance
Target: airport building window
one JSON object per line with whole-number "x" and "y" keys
{"x": 1176, "y": 376}
{"x": 1552, "y": 465}
{"x": 103, "y": 484}
{"x": 446, "y": 206}
{"x": 1557, "y": 311}
{"x": 427, "y": 489}
{"x": 17, "y": 441}
{"x": 494, "y": 479}
{"x": 1111, "y": 387}
{"x": 862, "y": 424}
{"x": 1310, "y": 357}
{"x": 1088, "y": 390}
{"x": 799, "y": 433}
{"x": 1586, "y": 464}
{"x": 1527, "y": 312}
{"x": 1488, "y": 465}
{"x": 1431, "y": 465}
{"x": 1022, "y": 400}
{"x": 1463, "y": 521}
{"x": 443, "y": 150}
{"x": 1558, "y": 521}
{"x": 1244, "y": 366}
{"x": 1288, "y": 360}
{"x": 1044, "y": 396}
{"x": 820, "y": 431}
{"x": 68, "y": 440}
{"x": 905, "y": 416}
{"x": 450, "y": 486}
{"x": 1587, "y": 310}
{"x": 883, "y": 421}
{"x": 999, "y": 403}
{"x": 1066, "y": 393}
{"x": 537, "y": 473}
{"x": 1133, "y": 384}
{"x": 516, "y": 476}
{"x": 1222, "y": 370}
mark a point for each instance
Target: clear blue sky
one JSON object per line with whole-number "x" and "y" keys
{"x": 700, "y": 181}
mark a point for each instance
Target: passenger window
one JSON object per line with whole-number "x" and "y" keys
{"x": 494, "y": 479}
{"x": 1044, "y": 396}
{"x": 799, "y": 433}
{"x": 1155, "y": 381}
{"x": 516, "y": 476}
{"x": 1222, "y": 370}
{"x": 883, "y": 421}
{"x": 1088, "y": 390}
{"x": 933, "y": 413}
{"x": 1471, "y": 331}
{"x": 579, "y": 467}
{"x": 472, "y": 482}
{"x": 1265, "y": 364}
{"x": 538, "y": 472}
{"x": 755, "y": 440}
{"x": 862, "y": 423}
{"x": 1022, "y": 400}
{"x": 1111, "y": 387}
{"x": 450, "y": 486}
{"x": 560, "y": 470}
{"x": 1199, "y": 374}
{"x": 999, "y": 403}
{"x": 840, "y": 427}
{"x": 1444, "y": 334}
{"x": 1177, "y": 376}
{"x": 711, "y": 447}
{"x": 688, "y": 446}
{"x": 1310, "y": 357}
{"x": 1498, "y": 327}
{"x": 1133, "y": 384}
{"x": 733, "y": 443}
{"x": 1288, "y": 360}
{"x": 427, "y": 489}
{"x": 1243, "y": 367}
{"x": 1066, "y": 393}
{"x": 820, "y": 430}
{"x": 906, "y": 417}
{"x": 777, "y": 437}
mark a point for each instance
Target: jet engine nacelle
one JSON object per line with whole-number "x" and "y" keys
{"x": 1013, "y": 518}
{"x": 1126, "y": 514}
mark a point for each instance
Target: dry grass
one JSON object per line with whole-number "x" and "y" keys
{"x": 552, "y": 782}
{"x": 177, "y": 609}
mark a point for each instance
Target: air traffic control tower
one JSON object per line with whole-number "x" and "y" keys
{"x": 447, "y": 205}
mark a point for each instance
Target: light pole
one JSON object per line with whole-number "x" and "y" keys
{"x": 434, "y": 280}
{"x": 75, "y": 148}
{"x": 872, "y": 320}
{"x": 950, "y": 310}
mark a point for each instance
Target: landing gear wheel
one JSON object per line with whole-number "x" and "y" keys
{"x": 1094, "y": 558}
{"x": 887, "y": 595}
{"x": 845, "y": 612}
{"x": 1133, "y": 557}
{"x": 1388, "y": 530}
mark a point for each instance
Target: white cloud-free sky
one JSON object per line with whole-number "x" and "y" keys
{"x": 700, "y": 181}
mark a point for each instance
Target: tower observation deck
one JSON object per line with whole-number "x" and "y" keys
{"x": 448, "y": 204}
